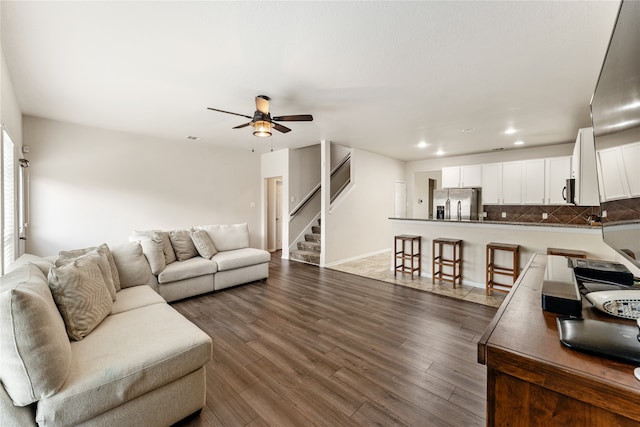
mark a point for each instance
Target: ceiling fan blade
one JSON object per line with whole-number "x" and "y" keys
{"x": 294, "y": 118}
{"x": 262, "y": 103}
{"x": 280, "y": 128}
{"x": 228, "y": 112}
{"x": 241, "y": 126}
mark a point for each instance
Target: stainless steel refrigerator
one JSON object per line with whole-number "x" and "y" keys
{"x": 459, "y": 204}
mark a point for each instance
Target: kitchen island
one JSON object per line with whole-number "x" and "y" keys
{"x": 532, "y": 237}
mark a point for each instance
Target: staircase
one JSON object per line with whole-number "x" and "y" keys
{"x": 309, "y": 250}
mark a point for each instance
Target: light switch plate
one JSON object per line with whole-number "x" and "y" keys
{"x": 545, "y": 215}
{"x": 504, "y": 214}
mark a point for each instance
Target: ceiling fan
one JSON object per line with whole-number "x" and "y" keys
{"x": 262, "y": 121}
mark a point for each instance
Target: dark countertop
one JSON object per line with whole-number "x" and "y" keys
{"x": 477, "y": 222}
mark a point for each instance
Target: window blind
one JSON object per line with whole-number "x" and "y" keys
{"x": 8, "y": 201}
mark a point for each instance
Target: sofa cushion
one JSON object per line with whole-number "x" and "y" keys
{"x": 128, "y": 355}
{"x": 203, "y": 243}
{"x": 75, "y": 253}
{"x": 167, "y": 249}
{"x": 133, "y": 267}
{"x": 228, "y": 260}
{"x": 193, "y": 267}
{"x": 135, "y": 297}
{"x": 42, "y": 263}
{"x": 99, "y": 256}
{"x": 81, "y": 295}
{"x": 228, "y": 237}
{"x": 34, "y": 348}
{"x": 182, "y": 244}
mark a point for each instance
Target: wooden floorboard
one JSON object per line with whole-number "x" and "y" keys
{"x": 312, "y": 346}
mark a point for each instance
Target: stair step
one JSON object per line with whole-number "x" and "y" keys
{"x": 305, "y": 256}
{"x": 309, "y": 246}
{"x": 312, "y": 237}
{"x": 315, "y": 229}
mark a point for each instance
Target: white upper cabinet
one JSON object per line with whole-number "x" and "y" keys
{"x": 471, "y": 176}
{"x": 512, "y": 183}
{"x": 557, "y": 171}
{"x": 491, "y": 184}
{"x": 533, "y": 182}
{"x": 631, "y": 158}
{"x": 619, "y": 171}
{"x": 583, "y": 169}
{"x": 462, "y": 176}
{"x": 451, "y": 177}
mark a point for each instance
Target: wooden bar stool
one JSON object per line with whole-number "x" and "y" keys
{"x": 455, "y": 263}
{"x": 571, "y": 253}
{"x": 493, "y": 269}
{"x": 407, "y": 261}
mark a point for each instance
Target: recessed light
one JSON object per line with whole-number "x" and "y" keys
{"x": 509, "y": 131}
{"x": 423, "y": 144}
{"x": 468, "y": 130}
{"x": 193, "y": 138}
{"x": 518, "y": 143}
{"x": 439, "y": 152}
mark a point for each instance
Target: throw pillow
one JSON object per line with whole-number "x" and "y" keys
{"x": 154, "y": 251}
{"x": 203, "y": 244}
{"x": 182, "y": 244}
{"x": 132, "y": 265}
{"x": 169, "y": 254}
{"x": 36, "y": 353}
{"x": 99, "y": 255}
{"x": 79, "y": 290}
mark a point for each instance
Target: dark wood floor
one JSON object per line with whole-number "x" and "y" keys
{"x": 315, "y": 346}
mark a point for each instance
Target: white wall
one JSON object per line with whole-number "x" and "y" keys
{"x": 10, "y": 113}
{"x": 358, "y": 223}
{"x": 304, "y": 172}
{"x": 91, "y": 185}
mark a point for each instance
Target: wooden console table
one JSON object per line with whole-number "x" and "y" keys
{"x": 533, "y": 380}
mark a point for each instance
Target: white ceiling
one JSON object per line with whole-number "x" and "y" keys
{"x": 380, "y": 76}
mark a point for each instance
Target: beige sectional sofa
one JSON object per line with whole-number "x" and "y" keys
{"x": 202, "y": 259}
{"x": 133, "y": 359}
{"x": 87, "y": 338}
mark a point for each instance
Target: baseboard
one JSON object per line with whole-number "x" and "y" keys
{"x": 342, "y": 261}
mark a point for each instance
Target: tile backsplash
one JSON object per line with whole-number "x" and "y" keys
{"x": 555, "y": 214}
{"x": 622, "y": 210}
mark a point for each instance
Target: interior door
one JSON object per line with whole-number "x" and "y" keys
{"x": 278, "y": 215}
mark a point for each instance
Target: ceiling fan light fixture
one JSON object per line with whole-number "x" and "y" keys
{"x": 262, "y": 129}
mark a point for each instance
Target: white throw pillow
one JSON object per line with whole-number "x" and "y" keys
{"x": 133, "y": 267}
{"x": 167, "y": 248}
{"x": 81, "y": 295}
{"x": 154, "y": 251}
{"x": 103, "y": 248}
{"x": 203, "y": 244}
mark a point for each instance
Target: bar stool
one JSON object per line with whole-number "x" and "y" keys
{"x": 409, "y": 261}
{"x": 455, "y": 263}
{"x": 571, "y": 253}
{"x": 493, "y": 269}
